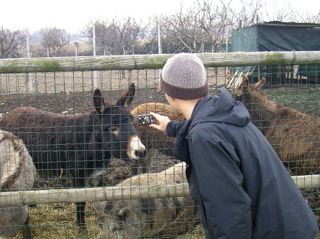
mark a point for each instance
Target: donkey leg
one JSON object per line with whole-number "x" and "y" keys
{"x": 79, "y": 181}
{"x": 81, "y": 217}
{"x": 26, "y": 231}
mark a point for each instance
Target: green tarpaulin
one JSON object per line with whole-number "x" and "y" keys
{"x": 280, "y": 36}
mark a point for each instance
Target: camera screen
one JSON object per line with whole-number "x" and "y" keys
{"x": 147, "y": 119}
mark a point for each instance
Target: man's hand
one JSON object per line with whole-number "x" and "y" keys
{"x": 162, "y": 122}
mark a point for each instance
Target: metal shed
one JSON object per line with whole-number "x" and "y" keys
{"x": 280, "y": 36}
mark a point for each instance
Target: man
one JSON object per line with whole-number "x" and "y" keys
{"x": 242, "y": 188}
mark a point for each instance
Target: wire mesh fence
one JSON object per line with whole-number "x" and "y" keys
{"x": 86, "y": 145}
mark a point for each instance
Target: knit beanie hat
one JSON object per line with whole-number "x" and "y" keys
{"x": 184, "y": 77}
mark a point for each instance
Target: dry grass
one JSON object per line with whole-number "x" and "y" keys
{"x": 58, "y": 221}
{"x": 196, "y": 233}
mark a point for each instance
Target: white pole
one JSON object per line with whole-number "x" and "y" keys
{"x": 76, "y": 49}
{"x": 95, "y": 83}
{"x": 159, "y": 39}
{"x": 94, "y": 40}
{"x": 227, "y": 44}
{"x": 227, "y": 38}
{"x": 28, "y": 43}
{"x": 28, "y": 80}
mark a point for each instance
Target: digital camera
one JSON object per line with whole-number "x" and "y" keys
{"x": 146, "y": 119}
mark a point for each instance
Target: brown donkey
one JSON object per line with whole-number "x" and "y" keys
{"x": 294, "y": 135}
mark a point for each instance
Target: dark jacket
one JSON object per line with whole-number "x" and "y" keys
{"x": 242, "y": 188}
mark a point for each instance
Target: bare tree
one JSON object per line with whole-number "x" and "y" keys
{"x": 150, "y": 43}
{"x": 182, "y": 32}
{"x": 312, "y": 18}
{"x": 283, "y": 15}
{"x": 245, "y": 14}
{"x": 11, "y": 43}
{"x": 256, "y": 11}
{"x": 117, "y": 36}
{"x": 201, "y": 28}
{"x": 106, "y": 37}
{"x": 198, "y": 29}
{"x": 214, "y": 18}
{"x": 53, "y": 42}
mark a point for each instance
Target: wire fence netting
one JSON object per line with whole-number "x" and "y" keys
{"x": 59, "y": 132}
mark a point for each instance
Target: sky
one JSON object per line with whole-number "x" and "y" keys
{"x": 73, "y": 15}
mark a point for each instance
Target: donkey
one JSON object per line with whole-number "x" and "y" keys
{"x": 294, "y": 135}
{"x": 80, "y": 143}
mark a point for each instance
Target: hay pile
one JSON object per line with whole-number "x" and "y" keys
{"x": 58, "y": 221}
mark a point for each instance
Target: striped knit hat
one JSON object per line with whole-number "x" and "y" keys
{"x": 184, "y": 77}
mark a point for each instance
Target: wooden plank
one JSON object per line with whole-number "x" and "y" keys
{"x": 131, "y": 62}
{"x": 116, "y": 193}
{"x": 91, "y": 194}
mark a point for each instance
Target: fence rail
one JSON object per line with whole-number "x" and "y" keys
{"x": 117, "y": 193}
{"x": 136, "y": 62}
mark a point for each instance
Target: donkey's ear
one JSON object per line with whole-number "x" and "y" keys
{"x": 260, "y": 83}
{"x": 127, "y": 98}
{"x": 131, "y": 92}
{"x": 241, "y": 84}
{"x": 98, "y": 101}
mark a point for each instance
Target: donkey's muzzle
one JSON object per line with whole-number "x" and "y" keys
{"x": 140, "y": 154}
{"x": 135, "y": 148}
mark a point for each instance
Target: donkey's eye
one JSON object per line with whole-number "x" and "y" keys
{"x": 114, "y": 129}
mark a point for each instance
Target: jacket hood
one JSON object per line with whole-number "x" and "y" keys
{"x": 222, "y": 108}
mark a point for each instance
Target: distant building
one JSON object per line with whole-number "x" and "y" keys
{"x": 280, "y": 36}
{"x": 277, "y": 36}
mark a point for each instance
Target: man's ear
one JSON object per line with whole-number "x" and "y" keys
{"x": 170, "y": 97}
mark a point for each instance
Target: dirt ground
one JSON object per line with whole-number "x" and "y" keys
{"x": 72, "y": 102}
{"x": 62, "y": 92}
